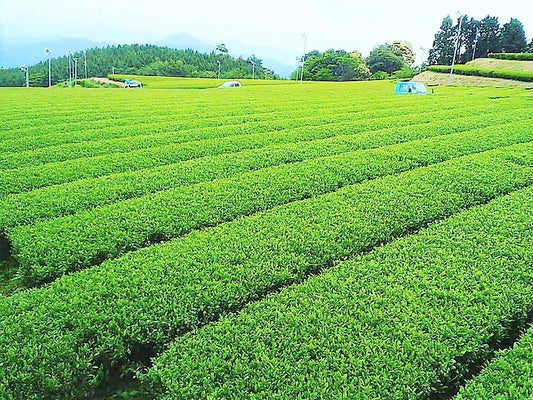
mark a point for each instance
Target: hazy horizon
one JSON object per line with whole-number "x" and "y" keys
{"x": 339, "y": 24}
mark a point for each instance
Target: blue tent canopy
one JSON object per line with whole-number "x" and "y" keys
{"x": 411, "y": 88}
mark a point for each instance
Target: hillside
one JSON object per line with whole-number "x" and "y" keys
{"x": 139, "y": 60}
{"x": 471, "y": 73}
{"x": 507, "y": 65}
{"x": 437, "y": 78}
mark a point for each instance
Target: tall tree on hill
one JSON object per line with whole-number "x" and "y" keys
{"x": 489, "y": 40}
{"x": 386, "y": 58}
{"x": 407, "y": 50}
{"x": 513, "y": 37}
{"x": 443, "y": 45}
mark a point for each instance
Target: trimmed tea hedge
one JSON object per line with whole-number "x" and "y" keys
{"x": 50, "y": 248}
{"x": 509, "y": 376}
{"x": 485, "y": 72}
{"x": 84, "y": 330}
{"x": 403, "y": 322}
{"x": 59, "y": 200}
{"x": 512, "y": 56}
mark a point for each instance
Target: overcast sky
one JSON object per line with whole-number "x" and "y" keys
{"x": 339, "y": 24}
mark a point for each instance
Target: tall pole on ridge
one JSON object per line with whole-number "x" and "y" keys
{"x": 475, "y": 43}
{"x": 303, "y": 58}
{"x": 69, "y": 69}
{"x": 47, "y": 51}
{"x": 26, "y": 71}
{"x": 85, "y": 62}
{"x": 455, "y": 48}
{"x": 75, "y": 70}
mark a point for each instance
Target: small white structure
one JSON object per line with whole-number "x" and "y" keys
{"x": 230, "y": 84}
{"x": 411, "y": 88}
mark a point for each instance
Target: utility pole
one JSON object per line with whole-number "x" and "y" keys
{"x": 422, "y": 60}
{"x": 303, "y": 57}
{"x": 47, "y": 51}
{"x": 69, "y": 69}
{"x": 455, "y": 48}
{"x": 475, "y": 42}
{"x": 26, "y": 71}
{"x": 85, "y": 62}
{"x": 253, "y": 68}
{"x": 75, "y": 70}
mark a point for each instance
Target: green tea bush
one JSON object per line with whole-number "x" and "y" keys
{"x": 77, "y": 333}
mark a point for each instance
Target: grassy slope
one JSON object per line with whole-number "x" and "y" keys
{"x": 509, "y": 65}
{"x": 435, "y": 78}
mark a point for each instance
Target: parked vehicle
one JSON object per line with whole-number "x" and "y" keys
{"x": 132, "y": 84}
{"x": 411, "y": 88}
{"x": 230, "y": 84}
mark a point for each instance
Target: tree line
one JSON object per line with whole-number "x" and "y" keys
{"x": 142, "y": 60}
{"x": 476, "y": 39}
{"x": 386, "y": 60}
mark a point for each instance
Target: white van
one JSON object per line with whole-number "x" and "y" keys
{"x": 230, "y": 84}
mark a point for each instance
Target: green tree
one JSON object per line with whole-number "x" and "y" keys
{"x": 385, "y": 58}
{"x": 138, "y": 60}
{"x": 222, "y": 49}
{"x": 513, "y": 37}
{"x": 334, "y": 65}
{"x": 530, "y": 47}
{"x": 467, "y": 39}
{"x": 489, "y": 40}
{"x": 407, "y": 51}
{"x": 443, "y": 45}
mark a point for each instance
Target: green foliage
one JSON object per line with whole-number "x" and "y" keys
{"x": 139, "y": 60}
{"x": 78, "y": 195}
{"x": 443, "y": 45}
{"x": 334, "y": 65}
{"x": 334, "y": 169}
{"x": 489, "y": 37}
{"x": 407, "y": 51}
{"x": 386, "y": 58}
{"x": 387, "y": 325}
{"x": 508, "y": 376}
{"x": 485, "y": 72}
{"x": 512, "y": 56}
{"x": 72, "y": 331}
{"x": 379, "y": 76}
{"x": 513, "y": 37}
{"x": 405, "y": 73}
{"x": 12, "y": 77}
{"x": 48, "y": 249}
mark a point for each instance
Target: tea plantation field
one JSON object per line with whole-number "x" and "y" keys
{"x": 276, "y": 241}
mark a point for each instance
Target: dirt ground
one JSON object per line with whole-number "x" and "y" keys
{"x": 105, "y": 81}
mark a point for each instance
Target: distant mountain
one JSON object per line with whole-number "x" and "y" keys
{"x": 272, "y": 60}
{"x": 283, "y": 70}
{"x": 183, "y": 41}
{"x": 16, "y": 53}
